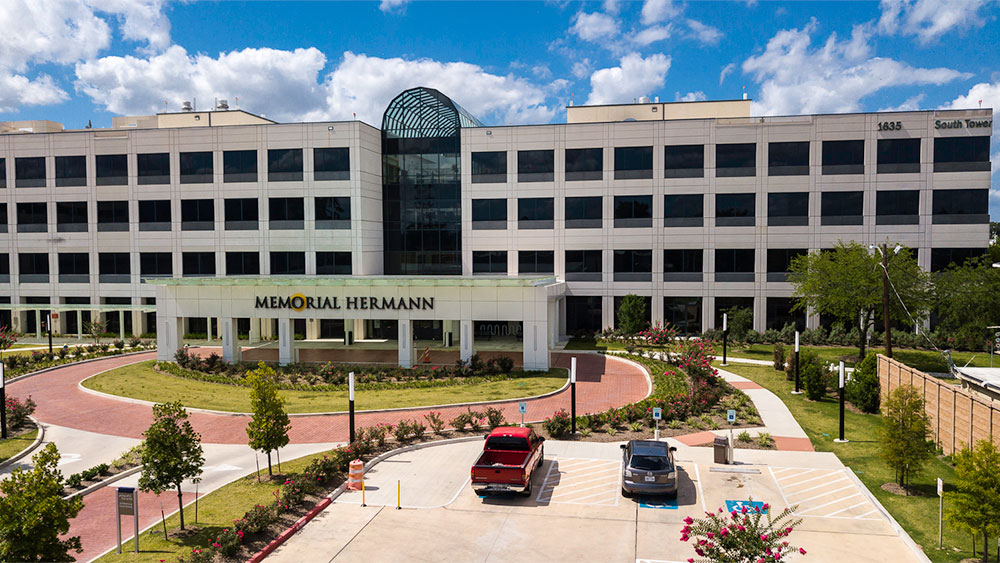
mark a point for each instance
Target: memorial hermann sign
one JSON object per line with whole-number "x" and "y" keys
{"x": 299, "y": 302}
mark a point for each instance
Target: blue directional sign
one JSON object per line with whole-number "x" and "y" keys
{"x": 738, "y": 505}
{"x": 731, "y": 416}
{"x": 522, "y": 407}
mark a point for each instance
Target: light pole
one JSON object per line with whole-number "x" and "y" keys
{"x": 884, "y": 251}
{"x": 841, "y": 439}
{"x": 797, "y": 391}
{"x": 572, "y": 395}
{"x": 350, "y": 398}
{"x": 725, "y": 336}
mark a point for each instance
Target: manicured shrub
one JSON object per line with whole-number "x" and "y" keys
{"x": 435, "y": 421}
{"x": 558, "y": 424}
{"x": 778, "y": 357}
{"x": 494, "y": 417}
{"x": 863, "y": 388}
{"x": 813, "y": 375}
{"x": 18, "y": 411}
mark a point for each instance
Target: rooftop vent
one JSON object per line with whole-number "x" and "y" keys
{"x": 186, "y": 106}
{"x": 644, "y": 100}
{"x": 222, "y": 104}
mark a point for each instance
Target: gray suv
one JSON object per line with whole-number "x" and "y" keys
{"x": 648, "y": 468}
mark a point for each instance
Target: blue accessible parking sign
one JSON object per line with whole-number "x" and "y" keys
{"x": 661, "y": 503}
{"x": 738, "y": 505}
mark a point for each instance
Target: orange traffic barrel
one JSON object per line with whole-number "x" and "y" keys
{"x": 355, "y": 475}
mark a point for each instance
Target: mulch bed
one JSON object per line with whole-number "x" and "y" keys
{"x": 895, "y": 489}
{"x": 21, "y": 430}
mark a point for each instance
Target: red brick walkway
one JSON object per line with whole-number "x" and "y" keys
{"x": 602, "y": 382}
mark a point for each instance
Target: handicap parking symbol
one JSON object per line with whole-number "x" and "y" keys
{"x": 661, "y": 503}
{"x": 738, "y": 505}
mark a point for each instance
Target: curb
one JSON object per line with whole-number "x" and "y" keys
{"x": 88, "y": 360}
{"x": 917, "y": 552}
{"x": 104, "y": 483}
{"x": 20, "y": 455}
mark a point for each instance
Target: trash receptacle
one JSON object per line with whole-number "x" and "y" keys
{"x": 723, "y": 450}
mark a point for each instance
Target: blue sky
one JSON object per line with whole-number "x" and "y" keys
{"x": 507, "y": 62}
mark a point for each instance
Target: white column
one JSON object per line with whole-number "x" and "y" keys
{"x": 169, "y": 337}
{"x": 231, "y": 351}
{"x": 79, "y": 325}
{"x": 466, "y": 341}
{"x": 553, "y": 336}
{"x": 312, "y": 329}
{"x": 286, "y": 342}
{"x": 137, "y": 319}
{"x": 348, "y": 331}
{"x": 254, "y": 330}
{"x": 536, "y": 349}
{"x": 121, "y": 324}
{"x": 405, "y": 336}
{"x": 38, "y": 323}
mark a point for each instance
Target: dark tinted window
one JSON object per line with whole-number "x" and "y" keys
{"x": 633, "y": 261}
{"x": 156, "y": 264}
{"x": 534, "y": 212}
{"x": 198, "y": 263}
{"x": 961, "y": 206}
{"x": 787, "y": 209}
{"x": 4, "y": 218}
{"x": 490, "y": 210}
{"x": 961, "y": 154}
{"x": 734, "y": 260}
{"x": 33, "y": 263}
{"x": 843, "y": 157}
{"x": 842, "y": 208}
{"x": 584, "y": 164}
{"x": 288, "y": 263}
{"x": 683, "y": 210}
{"x": 779, "y": 261}
{"x": 489, "y": 262}
{"x": 634, "y": 211}
{"x": 941, "y": 258}
{"x": 584, "y": 261}
{"x": 898, "y": 207}
{"x": 734, "y": 209}
{"x": 113, "y": 263}
{"x": 333, "y": 263}
{"x": 71, "y": 212}
{"x": 535, "y": 262}
{"x": 32, "y": 215}
{"x": 242, "y": 214}
{"x": 535, "y": 166}
{"x": 242, "y": 263}
{"x": 683, "y": 313}
{"x": 284, "y": 165}
{"x": 112, "y": 212}
{"x": 584, "y": 314}
{"x": 332, "y": 164}
{"x": 71, "y": 171}
{"x": 286, "y": 209}
{"x": 239, "y": 166}
{"x": 584, "y": 212}
{"x": 153, "y": 168}
{"x": 333, "y": 212}
{"x": 196, "y": 167}
{"x": 737, "y": 159}
{"x": 29, "y": 172}
{"x": 197, "y": 214}
{"x": 684, "y": 161}
{"x": 489, "y": 167}
{"x": 5, "y": 270}
{"x": 898, "y": 155}
{"x": 154, "y": 211}
{"x": 3, "y": 172}
{"x": 74, "y": 264}
{"x": 788, "y": 158}
{"x": 683, "y": 261}
{"x": 633, "y": 162}
{"x": 111, "y": 169}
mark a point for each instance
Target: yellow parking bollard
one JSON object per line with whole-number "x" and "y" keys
{"x": 363, "y": 493}
{"x": 397, "y": 496}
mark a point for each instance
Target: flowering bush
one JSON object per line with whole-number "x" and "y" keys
{"x": 558, "y": 424}
{"x": 748, "y": 535}
{"x": 18, "y": 411}
{"x": 435, "y": 421}
{"x": 228, "y": 541}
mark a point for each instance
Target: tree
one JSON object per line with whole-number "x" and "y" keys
{"x": 95, "y": 329}
{"x": 863, "y": 388}
{"x": 268, "y": 429}
{"x": 905, "y": 432}
{"x": 967, "y": 301}
{"x": 172, "y": 452}
{"x": 846, "y": 283}
{"x": 976, "y": 504}
{"x": 632, "y": 316}
{"x": 33, "y": 514}
{"x": 813, "y": 375}
{"x": 742, "y": 536}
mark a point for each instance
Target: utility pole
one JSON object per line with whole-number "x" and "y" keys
{"x": 885, "y": 299}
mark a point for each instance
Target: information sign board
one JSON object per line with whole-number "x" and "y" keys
{"x": 657, "y": 413}
{"x": 731, "y": 416}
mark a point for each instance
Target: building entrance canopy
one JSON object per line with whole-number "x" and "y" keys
{"x": 456, "y": 301}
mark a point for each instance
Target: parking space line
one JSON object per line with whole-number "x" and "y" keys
{"x": 599, "y": 493}
{"x": 860, "y": 516}
{"x": 574, "y": 483}
{"x": 862, "y": 503}
{"x": 829, "y": 503}
{"x": 701, "y": 492}
{"x": 581, "y": 481}
{"x": 781, "y": 490}
{"x": 574, "y": 491}
{"x": 827, "y": 493}
{"x": 797, "y": 483}
{"x": 589, "y": 472}
{"x": 818, "y": 486}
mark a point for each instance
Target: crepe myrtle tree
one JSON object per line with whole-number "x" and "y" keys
{"x": 746, "y": 535}
{"x": 172, "y": 452}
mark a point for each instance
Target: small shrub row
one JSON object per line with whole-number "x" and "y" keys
{"x": 18, "y": 411}
{"x": 20, "y": 364}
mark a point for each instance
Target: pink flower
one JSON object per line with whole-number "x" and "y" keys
{"x": 788, "y": 530}
{"x": 689, "y": 520}
{"x": 685, "y": 537}
{"x": 802, "y": 551}
{"x": 724, "y": 532}
{"x": 763, "y": 537}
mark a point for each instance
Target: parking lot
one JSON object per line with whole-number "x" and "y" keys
{"x": 577, "y": 513}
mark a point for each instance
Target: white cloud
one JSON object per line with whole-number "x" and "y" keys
{"x": 141, "y": 20}
{"x": 389, "y": 6}
{"x": 612, "y": 6}
{"x": 594, "y": 27}
{"x": 909, "y": 104}
{"x": 651, "y": 35}
{"x": 581, "y": 69}
{"x": 656, "y": 11}
{"x": 635, "y": 76}
{"x": 928, "y": 20}
{"x": 541, "y": 71}
{"x": 698, "y": 96}
{"x": 705, "y": 34}
{"x": 17, "y": 90}
{"x": 726, "y": 71}
{"x": 796, "y": 78}
{"x": 989, "y": 93}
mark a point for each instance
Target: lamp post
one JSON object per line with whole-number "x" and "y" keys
{"x": 725, "y": 336}
{"x": 797, "y": 391}
{"x": 572, "y": 395}
{"x": 841, "y": 439}
{"x": 3, "y": 404}
{"x": 48, "y": 326}
{"x": 350, "y": 402}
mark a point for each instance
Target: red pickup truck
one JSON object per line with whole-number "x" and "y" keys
{"x": 510, "y": 457}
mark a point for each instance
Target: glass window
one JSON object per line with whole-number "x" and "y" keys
{"x": 961, "y": 206}
{"x": 4, "y": 218}
{"x": 489, "y": 214}
{"x": 242, "y": 214}
{"x": 634, "y": 211}
{"x": 843, "y": 157}
{"x": 5, "y": 271}
{"x": 74, "y": 267}
{"x": 645, "y": 298}
{"x": 584, "y": 315}
{"x": 113, "y": 265}
{"x": 197, "y": 167}
{"x": 333, "y": 263}
{"x": 71, "y": 171}
{"x": 32, "y": 217}
{"x": 683, "y": 313}
{"x": 788, "y": 209}
{"x": 288, "y": 263}
{"x": 198, "y": 263}
{"x": 156, "y": 264}
{"x": 961, "y": 154}
{"x": 154, "y": 215}
{"x": 71, "y": 216}
{"x": 535, "y": 262}
{"x": 685, "y": 210}
{"x": 683, "y": 265}
{"x": 897, "y": 207}
{"x": 112, "y": 216}
{"x": 489, "y": 262}
{"x": 29, "y": 172}
{"x": 735, "y": 210}
{"x": 33, "y": 263}
{"x": 898, "y": 155}
{"x": 242, "y": 263}
{"x": 286, "y": 213}
{"x": 153, "y": 168}
{"x": 239, "y": 166}
{"x": 734, "y": 264}
{"x": 111, "y": 170}
{"x": 584, "y": 212}
{"x": 284, "y": 165}
{"x": 197, "y": 215}
{"x": 736, "y": 159}
{"x": 633, "y": 162}
{"x": 941, "y": 258}
{"x": 3, "y": 172}
{"x": 584, "y": 265}
{"x": 779, "y": 260}
{"x": 633, "y": 265}
{"x": 333, "y": 212}
{"x": 788, "y": 158}
{"x": 488, "y": 167}
{"x": 842, "y": 208}
{"x": 332, "y": 163}
{"x": 780, "y": 313}
{"x": 684, "y": 161}
{"x": 535, "y": 166}
{"x": 584, "y": 164}
{"x": 535, "y": 213}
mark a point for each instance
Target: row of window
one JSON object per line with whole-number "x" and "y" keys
{"x": 951, "y": 154}
{"x": 241, "y": 214}
{"x": 679, "y": 265}
{"x": 736, "y": 209}
{"x": 115, "y": 267}
{"x": 283, "y": 165}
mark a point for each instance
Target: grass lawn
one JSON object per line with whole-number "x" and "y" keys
{"x": 216, "y": 511}
{"x": 140, "y": 381}
{"x": 917, "y": 515}
{"x": 13, "y": 446}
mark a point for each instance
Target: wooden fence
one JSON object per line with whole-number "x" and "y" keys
{"x": 958, "y": 416}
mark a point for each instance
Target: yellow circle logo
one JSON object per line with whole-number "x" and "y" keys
{"x": 298, "y": 302}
